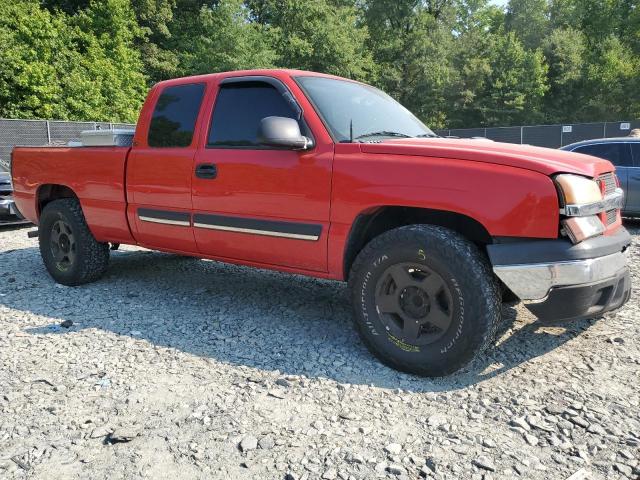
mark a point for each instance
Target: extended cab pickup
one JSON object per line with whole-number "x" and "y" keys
{"x": 322, "y": 176}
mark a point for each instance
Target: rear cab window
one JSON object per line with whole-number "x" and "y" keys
{"x": 617, "y": 153}
{"x": 174, "y": 116}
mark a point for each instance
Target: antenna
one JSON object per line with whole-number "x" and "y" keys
{"x": 351, "y": 131}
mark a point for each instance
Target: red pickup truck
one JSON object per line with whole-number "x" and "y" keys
{"x": 323, "y": 176}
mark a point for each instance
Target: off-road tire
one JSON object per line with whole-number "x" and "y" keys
{"x": 473, "y": 290}
{"x": 91, "y": 258}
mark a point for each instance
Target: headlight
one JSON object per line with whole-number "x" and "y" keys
{"x": 577, "y": 190}
{"x": 582, "y": 200}
{"x": 581, "y": 228}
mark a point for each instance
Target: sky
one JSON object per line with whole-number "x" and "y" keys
{"x": 502, "y": 3}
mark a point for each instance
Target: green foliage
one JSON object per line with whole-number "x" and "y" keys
{"x": 80, "y": 67}
{"x": 221, "y": 38}
{"x": 322, "y": 35}
{"x": 413, "y": 52}
{"x": 528, "y": 20}
{"x": 455, "y": 63}
{"x": 565, "y": 50}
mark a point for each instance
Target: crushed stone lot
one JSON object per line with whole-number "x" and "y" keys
{"x": 172, "y": 367}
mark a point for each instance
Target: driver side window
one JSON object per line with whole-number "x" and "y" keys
{"x": 238, "y": 109}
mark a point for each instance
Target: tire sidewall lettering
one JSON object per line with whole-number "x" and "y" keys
{"x": 461, "y": 319}
{"x": 363, "y": 295}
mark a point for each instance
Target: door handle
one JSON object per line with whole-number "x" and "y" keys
{"x": 207, "y": 171}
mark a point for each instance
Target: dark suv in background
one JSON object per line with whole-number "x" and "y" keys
{"x": 624, "y": 153}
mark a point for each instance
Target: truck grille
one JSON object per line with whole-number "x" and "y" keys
{"x": 608, "y": 185}
{"x": 608, "y": 180}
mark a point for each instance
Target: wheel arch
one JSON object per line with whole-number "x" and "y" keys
{"x": 373, "y": 222}
{"x": 49, "y": 192}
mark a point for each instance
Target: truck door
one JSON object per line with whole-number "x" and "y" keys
{"x": 255, "y": 203}
{"x": 160, "y": 168}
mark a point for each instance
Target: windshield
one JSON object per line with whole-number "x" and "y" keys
{"x": 347, "y": 107}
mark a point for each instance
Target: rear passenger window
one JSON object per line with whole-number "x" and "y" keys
{"x": 616, "y": 153}
{"x": 238, "y": 110}
{"x": 174, "y": 118}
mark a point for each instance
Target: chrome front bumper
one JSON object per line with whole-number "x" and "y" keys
{"x": 534, "y": 281}
{"x": 561, "y": 281}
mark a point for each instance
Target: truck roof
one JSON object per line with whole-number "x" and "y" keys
{"x": 273, "y": 72}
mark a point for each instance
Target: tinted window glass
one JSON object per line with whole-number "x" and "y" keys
{"x": 174, "y": 117}
{"x": 635, "y": 148}
{"x": 238, "y": 110}
{"x": 616, "y": 153}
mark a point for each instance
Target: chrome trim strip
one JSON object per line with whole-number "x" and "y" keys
{"x": 534, "y": 281}
{"x": 162, "y": 220}
{"x": 613, "y": 201}
{"x": 257, "y": 232}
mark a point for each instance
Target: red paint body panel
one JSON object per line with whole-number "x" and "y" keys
{"x": 95, "y": 174}
{"x": 506, "y": 188}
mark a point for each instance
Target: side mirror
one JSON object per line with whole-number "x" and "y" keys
{"x": 282, "y": 132}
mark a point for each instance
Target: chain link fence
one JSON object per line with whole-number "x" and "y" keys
{"x": 44, "y": 132}
{"x": 551, "y": 136}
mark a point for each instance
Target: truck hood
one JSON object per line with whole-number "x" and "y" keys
{"x": 544, "y": 160}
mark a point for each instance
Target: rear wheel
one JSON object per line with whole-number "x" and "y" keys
{"x": 69, "y": 251}
{"x": 426, "y": 300}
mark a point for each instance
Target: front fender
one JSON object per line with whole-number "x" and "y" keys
{"x": 508, "y": 201}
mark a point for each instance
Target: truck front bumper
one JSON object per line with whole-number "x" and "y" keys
{"x": 561, "y": 281}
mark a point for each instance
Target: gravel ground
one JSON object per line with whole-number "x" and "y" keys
{"x": 179, "y": 368}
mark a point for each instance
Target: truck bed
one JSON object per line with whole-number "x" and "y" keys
{"x": 95, "y": 174}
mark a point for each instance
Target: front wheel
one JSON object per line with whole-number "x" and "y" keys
{"x": 69, "y": 251}
{"x": 426, "y": 301}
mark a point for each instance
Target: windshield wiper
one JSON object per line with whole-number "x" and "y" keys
{"x": 427, "y": 135}
{"x": 383, "y": 133}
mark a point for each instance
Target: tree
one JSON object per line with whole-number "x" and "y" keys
{"x": 321, "y": 35}
{"x": 528, "y": 20}
{"x": 477, "y": 24}
{"x": 221, "y": 38}
{"x": 455, "y": 63}
{"x": 29, "y": 39}
{"x": 80, "y": 67}
{"x": 501, "y": 83}
{"x": 412, "y": 45}
{"x": 612, "y": 83}
{"x": 566, "y": 53}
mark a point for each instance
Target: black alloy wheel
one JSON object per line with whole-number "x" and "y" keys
{"x": 414, "y": 303}
{"x": 63, "y": 245}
